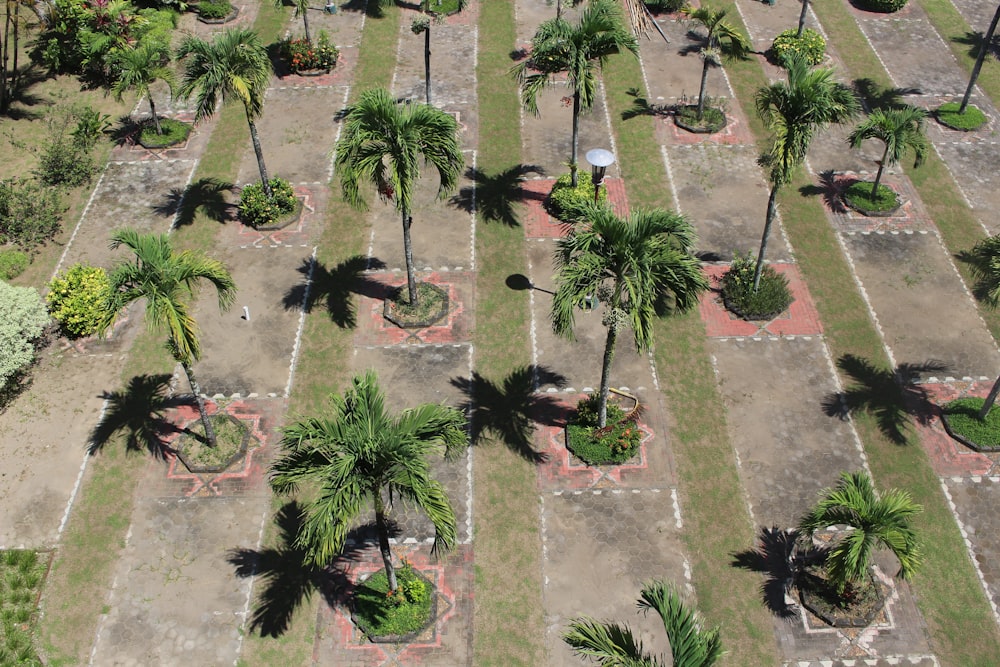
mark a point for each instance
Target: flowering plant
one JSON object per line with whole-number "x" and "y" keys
{"x": 300, "y": 54}
{"x": 810, "y": 46}
{"x": 77, "y": 297}
{"x": 256, "y": 210}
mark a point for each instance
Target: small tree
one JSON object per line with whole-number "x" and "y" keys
{"x": 899, "y": 130}
{"x": 23, "y": 317}
{"x": 139, "y": 67}
{"x": 722, "y": 41}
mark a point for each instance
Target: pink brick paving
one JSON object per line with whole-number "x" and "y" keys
{"x": 911, "y": 215}
{"x": 538, "y": 224}
{"x": 374, "y": 329}
{"x": 801, "y": 318}
{"x": 562, "y": 470}
{"x": 735, "y": 132}
{"x": 297, "y": 233}
{"x": 949, "y": 457}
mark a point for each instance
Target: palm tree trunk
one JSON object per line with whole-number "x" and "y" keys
{"x": 983, "y": 50}
{"x": 259, "y": 152}
{"x": 196, "y": 388}
{"x": 411, "y": 280}
{"x": 768, "y": 221}
{"x": 802, "y": 18}
{"x": 14, "y": 76}
{"x": 576, "y": 137}
{"x": 990, "y": 400}
{"x": 878, "y": 174}
{"x": 701, "y": 89}
{"x": 427, "y": 63}
{"x": 382, "y": 529}
{"x": 609, "y": 354}
{"x": 558, "y": 9}
{"x": 152, "y": 110}
{"x": 3, "y": 58}
{"x": 305, "y": 25}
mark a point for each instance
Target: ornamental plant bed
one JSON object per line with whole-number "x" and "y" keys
{"x": 431, "y": 308}
{"x": 443, "y": 7}
{"x": 712, "y": 119}
{"x": 309, "y": 58}
{"x": 217, "y": 13}
{"x": 969, "y": 121}
{"x": 569, "y": 204}
{"x": 961, "y": 421}
{"x": 278, "y": 212}
{"x": 771, "y": 298}
{"x": 399, "y": 618}
{"x": 856, "y": 607}
{"x": 614, "y": 444}
{"x": 857, "y": 197}
{"x": 174, "y": 132}
{"x": 232, "y": 440}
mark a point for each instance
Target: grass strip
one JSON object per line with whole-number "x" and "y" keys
{"x": 948, "y": 592}
{"x": 717, "y": 523}
{"x": 507, "y": 622}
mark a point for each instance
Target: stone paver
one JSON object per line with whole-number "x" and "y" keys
{"x": 974, "y": 500}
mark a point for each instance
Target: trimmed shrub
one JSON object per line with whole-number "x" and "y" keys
{"x": 29, "y": 213}
{"x": 12, "y": 263}
{"x": 810, "y": 46}
{"x": 882, "y": 6}
{"x": 772, "y": 295}
{"x": 214, "y": 10}
{"x": 614, "y": 444}
{"x": 77, "y": 299}
{"x": 256, "y": 210}
{"x": 23, "y": 318}
{"x": 973, "y": 118}
{"x": 569, "y": 204}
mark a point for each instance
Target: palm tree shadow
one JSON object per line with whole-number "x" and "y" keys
{"x": 332, "y": 289}
{"x": 974, "y": 40}
{"x": 372, "y": 9}
{"x": 20, "y": 95}
{"x": 140, "y": 412}
{"x": 891, "y": 396}
{"x": 828, "y": 189}
{"x": 507, "y": 410}
{"x": 495, "y": 195}
{"x": 780, "y": 556}
{"x": 288, "y": 581}
{"x": 876, "y": 96}
{"x": 642, "y": 107}
{"x": 206, "y": 196}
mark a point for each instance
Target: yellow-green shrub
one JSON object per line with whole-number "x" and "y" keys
{"x": 77, "y": 298}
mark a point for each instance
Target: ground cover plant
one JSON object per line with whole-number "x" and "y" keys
{"x": 568, "y": 202}
{"x": 230, "y": 438}
{"x": 971, "y": 119}
{"x": 12, "y": 263}
{"x": 859, "y": 196}
{"x": 170, "y": 133}
{"x": 614, "y": 444}
{"x": 257, "y": 209}
{"x": 789, "y": 44}
{"x": 767, "y": 301}
{"x": 965, "y": 419}
{"x": 381, "y": 611}
{"x": 21, "y": 577}
{"x": 214, "y": 10}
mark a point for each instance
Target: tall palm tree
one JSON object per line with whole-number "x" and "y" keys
{"x": 876, "y": 521}
{"x": 722, "y": 41}
{"x": 166, "y": 280}
{"x": 382, "y": 142}
{"x": 614, "y": 644}
{"x": 139, "y": 67}
{"x": 978, "y": 66}
{"x": 794, "y": 112}
{"x": 802, "y": 17}
{"x": 899, "y": 130}
{"x": 638, "y": 265}
{"x": 359, "y": 455}
{"x": 420, "y": 25}
{"x": 301, "y": 9}
{"x": 984, "y": 262}
{"x": 233, "y": 66}
{"x": 579, "y": 51}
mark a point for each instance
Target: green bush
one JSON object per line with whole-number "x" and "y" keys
{"x": 12, "y": 263}
{"x": 23, "y": 318}
{"x": 568, "y": 203}
{"x": 882, "y": 6}
{"x": 772, "y": 295}
{"x": 810, "y": 46}
{"x": 300, "y": 55}
{"x": 963, "y": 419}
{"x": 29, "y": 213}
{"x": 77, "y": 299}
{"x": 858, "y": 196}
{"x": 615, "y": 444}
{"x": 665, "y": 6}
{"x": 256, "y": 210}
{"x": 972, "y": 119}
{"x": 65, "y": 158}
{"x": 214, "y": 10}
{"x": 380, "y": 613}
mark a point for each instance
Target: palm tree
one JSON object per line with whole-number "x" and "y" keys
{"x": 233, "y": 66}
{"x": 899, "y": 130}
{"x": 639, "y": 266}
{"x": 802, "y": 18}
{"x": 722, "y": 41}
{"x": 613, "y": 644}
{"x": 579, "y": 51}
{"x": 983, "y": 50}
{"x": 422, "y": 24}
{"x": 361, "y": 454}
{"x": 875, "y": 521}
{"x": 794, "y": 112}
{"x": 301, "y": 9}
{"x": 984, "y": 262}
{"x": 166, "y": 280}
{"x": 382, "y": 142}
{"x": 139, "y": 68}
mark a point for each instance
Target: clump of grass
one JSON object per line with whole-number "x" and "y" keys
{"x": 963, "y": 420}
{"x": 229, "y": 435}
{"x": 174, "y": 132}
{"x": 430, "y": 299}
{"x": 21, "y": 574}
{"x": 381, "y": 612}
{"x": 858, "y": 196}
{"x": 971, "y": 119}
{"x": 614, "y": 444}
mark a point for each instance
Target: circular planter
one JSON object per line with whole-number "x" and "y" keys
{"x": 965, "y": 441}
{"x": 888, "y": 213}
{"x": 694, "y": 127}
{"x": 287, "y": 220}
{"x": 860, "y": 616}
{"x": 237, "y": 456}
{"x": 225, "y": 19}
{"x": 941, "y": 119}
{"x": 410, "y": 636}
{"x": 389, "y": 312}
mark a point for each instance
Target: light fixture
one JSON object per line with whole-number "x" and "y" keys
{"x": 599, "y": 160}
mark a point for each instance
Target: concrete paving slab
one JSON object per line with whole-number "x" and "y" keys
{"x": 788, "y": 450}
{"x": 414, "y": 374}
{"x": 974, "y": 501}
{"x": 976, "y": 13}
{"x": 673, "y": 70}
{"x": 908, "y": 276}
{"x": 344, "y": 27}
{"x": 599, "y": 549}
{"x": 976, "y": 166}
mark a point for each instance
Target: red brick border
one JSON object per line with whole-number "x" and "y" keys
{"x": 801, "y": 318}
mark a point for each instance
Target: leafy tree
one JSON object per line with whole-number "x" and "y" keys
{"x": 23, "y": 317}
{"x": 978, "y": 66}
{"x": 899, "y": 130}
{"x": 614, "y": 644}
{"x": 579, "y": 51}
{"x": 794, "y": 112}
{"x": 166, "y": 280}
{"x": 722, "y": 41}
{"x": 139, "y": 67}
{"x": 361, "y": 454}
{"x": 382, "y": 142}
{"x": 638, "y": 266}
{"x": 876, "y": 521}
{"x": 233, "y": 66}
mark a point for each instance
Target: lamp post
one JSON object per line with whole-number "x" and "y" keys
{"x": 599, "y": 160}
